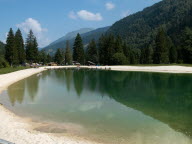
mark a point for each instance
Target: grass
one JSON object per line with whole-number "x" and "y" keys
{"x": 11, "y": 69}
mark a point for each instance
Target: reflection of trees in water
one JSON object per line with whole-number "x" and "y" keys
{"x": 78, "y": 78}
{"x": 68, "y": 75}
{"x": 59, "y": 76}
{"x": 32, "y": 84}
{"x": 91, "y": 79}
{"x": 167, "y": 97}
{"x": 45, "y": 74}
{"x": 16, "y": 92}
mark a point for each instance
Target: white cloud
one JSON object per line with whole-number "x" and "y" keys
{"x": 38, "y": 30}
{"x": 33, "y": 24}
{"x": 72, "y": 15}
{"x": 86, "y": 15}
{"x": 125, "y": 13}
{"x": 87, "y": 106}
{"x": 109, "y": 5}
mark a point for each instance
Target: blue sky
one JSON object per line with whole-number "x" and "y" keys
{"x": 52, "y": 19}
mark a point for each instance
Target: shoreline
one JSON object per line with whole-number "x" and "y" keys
{"x": 19, "y": 131}
{"x": 158, "y": 69}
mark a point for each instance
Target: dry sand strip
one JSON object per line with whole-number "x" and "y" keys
{"x": 159, "y": 69}
{"x": 19, "y": 131}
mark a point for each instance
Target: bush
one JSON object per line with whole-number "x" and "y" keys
{"x": 119, "y": 59}
{"x": 3, "y": 63}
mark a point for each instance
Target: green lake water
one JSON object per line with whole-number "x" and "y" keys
{"x": 110, "y": 107}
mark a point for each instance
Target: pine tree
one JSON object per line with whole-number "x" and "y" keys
{"x": 11, "y": 53}
{"x": 68, "y": 55}
{"x": 187, "y": 45}
{"x": 19, "y": 44}
{"x": 149, "y": 55}
{"x": 59, "y": 57}
{"x": 106, "y": 49}
{"x": 101, "y": 49}
{"x": 161, "y": 53}
{"x": 118, "y": 45}
{"x": 35, "y": 50}
{"x": 42, "y": 57}
{"x": 91, "y": 52}
{"x": 31, "y": 48}
{"x": 49, "y": 58}
{"x": 127, "y": 52}
{"x": 143, "y": 56}
{"x": 110, "y": 51}
{"x": 172, "y": 51}
{"x": 119, "y": 59}
{"x": 135, "y": 56}
{"x": 132, "y": 57}
{"x": 78, "y": 51}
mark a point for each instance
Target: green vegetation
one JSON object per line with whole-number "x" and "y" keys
{"x": 11, "y": 69}
{"x": 78, "y": 51}
{"x": 142, "y": 27}
{"x": 31, "y": 48}
{"x": 2, "y": 48}
{"x": 3, "y": 63}
{"x": 163, "y": 31}
{"x": 59, "y": 57}
{"x": 15, "y": 53}
{"x": 68, "y": 55}
{"x": 160, "y": 34}
{"x": 11, "y": 53}
{"x": 91, "y": 52}
{"x": 19, "y": 45}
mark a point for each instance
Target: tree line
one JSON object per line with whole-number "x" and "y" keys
{"x": 112, "y": 50}
{"x": 108, "y": 50}
{"x": 17, "y": 52}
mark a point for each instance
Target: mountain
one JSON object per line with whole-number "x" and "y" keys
{"x": 86, "y": 34}
{"x": 141, "y": 27}
{"x": 71, "y": 35}
{"x": 2, "y": 50}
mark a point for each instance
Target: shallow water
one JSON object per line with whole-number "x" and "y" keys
{"x": 107, "y": 106}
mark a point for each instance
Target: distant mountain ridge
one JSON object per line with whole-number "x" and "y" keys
{"x": 87, "y": 35}
{"x": 72, "y": 34}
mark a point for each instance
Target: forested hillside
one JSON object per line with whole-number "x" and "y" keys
{"x": 141, "y": 28}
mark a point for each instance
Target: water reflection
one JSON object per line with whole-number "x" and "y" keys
{"x": 78, "y": 80}
{"x": 16, "y": 94}
{"x": 165, "y": 97}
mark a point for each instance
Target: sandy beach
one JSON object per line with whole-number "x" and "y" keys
{"x": 18, "y": 130}
{"x": 159, "y": 69}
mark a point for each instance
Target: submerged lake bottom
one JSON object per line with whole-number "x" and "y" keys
{"x": 110, "y": 107}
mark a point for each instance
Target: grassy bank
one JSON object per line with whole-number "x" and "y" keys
{"x": 11, "y": 69}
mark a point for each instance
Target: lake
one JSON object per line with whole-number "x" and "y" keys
{"x": 110, "y": 107}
